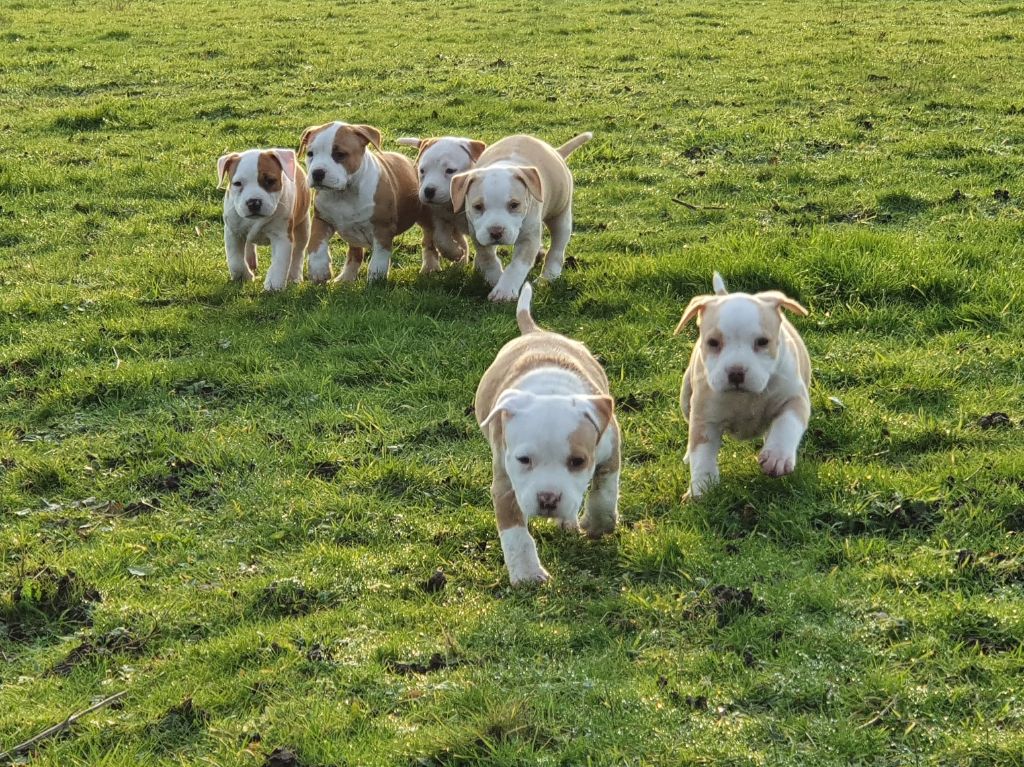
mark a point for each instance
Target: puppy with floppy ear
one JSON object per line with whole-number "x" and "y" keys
{"x": 367, "y": 196}
{"x": 517, "y": 186}
{"x": 547, "y": 413}
{"x": 749, "y": 374}
{"x": 266, "y": 202}
{"x": 438, "y": 160}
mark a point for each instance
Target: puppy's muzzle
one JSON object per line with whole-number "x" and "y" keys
{"x": 497, "y": 233}
{"x": 429, "y": 192}
{"x": 548, "y": 502}
{"x": 254, "y": 205}
{"x": 736, "y": 377}
{"x": 318, "y": 176}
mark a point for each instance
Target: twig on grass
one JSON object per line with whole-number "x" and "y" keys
{"x": 21, "y": 748}
{"x": 691, "y": 206}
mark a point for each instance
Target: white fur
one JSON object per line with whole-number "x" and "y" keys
{"x": 440, "y": 161}
{"x": 739, "y": 325}
{"x": 521, "y": 557}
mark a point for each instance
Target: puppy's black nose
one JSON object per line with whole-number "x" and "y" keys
{"x": 548, "y": 501}
{"x": 429, "y": 192}
{"x": 737, "y": 376}
{"x": 318, "y": 176}
{"x": 254, "y": 205}
{"x": 496, "y": 232}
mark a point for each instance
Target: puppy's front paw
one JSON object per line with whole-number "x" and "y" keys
{"x": 319, "y": 276}
{"x": 570, "y": 525}
{"x": 551, "y": 274}
{"x": 595, "y": 527}
{"x": 776, "y": 462}
{"x": 348, "y": 275}
{"x": 501, "y": 293}
{"x": 377, "y": 272}
{"x": 240, "y": 276}
{"x": 273, "y": 286}
{"x": 528, "y": 577}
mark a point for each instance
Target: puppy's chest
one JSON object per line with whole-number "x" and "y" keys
{"x": 350, "y": 213}
{"x": 745, "y": 416}
{"x": 254, "y": 230}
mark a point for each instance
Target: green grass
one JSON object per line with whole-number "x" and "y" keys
{"x": 228, "y": 502}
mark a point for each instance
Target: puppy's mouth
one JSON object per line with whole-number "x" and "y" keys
{"x": 325, "y": 187}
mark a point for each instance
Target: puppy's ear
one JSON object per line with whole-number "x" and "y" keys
{"x": 782, "y": 301}
{"x": 226, "y": 166}
{"x": 460, "y": 188}
{"x": 598, "y": 410}
{"x": 287, "y": 159}
{"x": 368, "y": 132}
{"x": 510, "y": 402}
{"x": 475, "y": 149}
{"x": 425, "y": 144}
{"x": 530, "y": 177}
{"x": 307, "y": 136}
{"x": 695, "y": 307}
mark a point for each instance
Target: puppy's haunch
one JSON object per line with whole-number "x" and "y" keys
{"x": 749, "y": 374}
{"x": 545, "y": 408}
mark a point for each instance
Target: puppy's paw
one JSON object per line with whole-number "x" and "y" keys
{"x": 776, "y": 462}
{"x": 501, "y": 293}
{"x": 551, "y": 274}
{"x": 273, "y": 286}
{"x": 596, "y": 528}
{"x": 240, "y": 276}
{"x": 320, "y": 276}
{"x": 529, "y": 577}
{"x": 569, "y": 525}
{"x": 430, "y": 268}
{"x": 348, "y": 275}
{"x": 377, "y": 273}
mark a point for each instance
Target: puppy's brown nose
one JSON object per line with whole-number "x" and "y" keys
{"x": 496, "y": 232}
{"x": 254, "y": 205}
{"x": 736, "y": 376}
{"x": 318, "y": 176}
{"x": 429, "y": 192}
{"x": 548, "y": 501}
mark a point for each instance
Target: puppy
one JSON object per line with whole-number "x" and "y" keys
{"x": 516, "y": 184}
{"x": 749, "y": 374}
{"x": 439, "y": 159}
{"x": 546, "y": 411}
{"x": 368, "y": 198}
{"x": 266, "y": 202}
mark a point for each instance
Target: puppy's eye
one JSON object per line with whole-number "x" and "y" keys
{"x": 714, "y": 343}
{"x": 762, "y": 342}
{"x": 577, "y": 462}
{"x": 514, "y": 205}
{"x": 423, "y": 172}
{"x": 479, "y": 207}
{"x": 339, "y": 156}
{"x": 237, "y": 184}
{"x": 268, "y": 181}
{"x": 523, "y": 459}
{"x": 449, "y": 171}
{"x": 309, "y": 153}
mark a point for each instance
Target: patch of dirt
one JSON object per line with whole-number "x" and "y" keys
{"x": 178, "y": 471}
{"x": 997, "y": 420}
{"x": 726, "y": 603}
{"x": 1001, "y": 195}
{"x": 47, "y": 601}
{"x": 436, "y": 582}
{"x": 436, "y": 662}
{"x": 288, "y": 597}
{"x": 282, "y": 757}
{"x": 325, "y": 470}
{"x": 119, "y": 640}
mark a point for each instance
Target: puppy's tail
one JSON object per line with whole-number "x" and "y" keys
{"x": 718, "y": 284}
{"x": 409, "y": 141}
{"x": 574, "y": 143}
{"x": 523, "y": 317}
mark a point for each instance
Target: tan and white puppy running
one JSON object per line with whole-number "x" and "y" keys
{"x": 367, "y": 197}
{"x": 749, "y": 374}
{"x": 545, "y": 408}
{"x": 440, "y": 159}
{"x": 266, "y": 203}
{"x": 517, "y": 184}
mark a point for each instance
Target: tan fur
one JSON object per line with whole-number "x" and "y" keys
{"x": 397, "y": 203}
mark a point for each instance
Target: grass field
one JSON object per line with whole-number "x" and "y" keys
{"x": 228, "y": 503}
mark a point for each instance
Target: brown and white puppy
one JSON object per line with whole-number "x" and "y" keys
{"x": 516, "y": 185}
{"x": 749, "y": 374}
{"x": 367, "y": 197}
{"x": 266, "y": 203}
{"x": 440, "y": 159}
{"x": 545, "y": 408}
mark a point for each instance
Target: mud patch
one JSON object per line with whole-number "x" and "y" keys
{"x": 288, "y": 597}
{"x": 179, "y": 470}
{"x": 117, "y": 641}
{"x": 48, "y": 602}
{"x": 997, "y": 420}
{"x": 436, "y": 582}
{"x": 726, "y": 603}
{"x": 436, "y": 662}
{"x": 325, "y": 470}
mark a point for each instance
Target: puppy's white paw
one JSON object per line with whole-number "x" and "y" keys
{"x": 240, "y": 276}
{"x": 377, "y": 272}
{"x": 504, "y": 294}
{"x": 595, "y": 527}
{"x": 348, "y": 275}
{"x": 776, "y": 462}
{"x": 273, "y": 286}
{"x": 551, "y": 274}
{"x": 531, "y": 576}
{"x": 570, "y": 525}
{"x": 319, "y": 276}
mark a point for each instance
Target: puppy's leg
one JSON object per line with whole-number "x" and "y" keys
{"x": 280, "y": 262}
{"x": 518, "y": 547}
{"x": 487, "y": 263}
{"x": 236, "y": 248}
{"x": 523, "y": 257}
{"x": 318, "y": 252}
{"x": 250, "y": 256}
{"x": 380, "y": 258}
{"x": 431, "y": 261}
{"x": 778, "y": 456}
{"x": 449, "y": 243}
{"x": 300, "y": 237}
{"x": 603, "y": 501}
{"x": 353, "y": 261}
{"x": 703, "y": 443}
{"x": 561, "y": 230}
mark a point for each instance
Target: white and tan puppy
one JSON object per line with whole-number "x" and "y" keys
{"x": 440, "y": 159}
{"x": 516, "y": 185}
{"x": 545, "y": 408}
{"x": 367, "y": 197}
{"x": 748, "y": 375}
{"x": 266, "y": 203}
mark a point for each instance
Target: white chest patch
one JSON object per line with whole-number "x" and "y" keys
{"x": 351, "y": 211}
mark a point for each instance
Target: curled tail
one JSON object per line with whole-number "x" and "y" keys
{"x": 409, "y": 141}
{"x": 523, "y": 317}
{"x": 574, "y": 143}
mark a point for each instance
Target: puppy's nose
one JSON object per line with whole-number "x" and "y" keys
{"x": 548, "y": 501}
{"x": 254, "y": 205}
{"x": 736, "y": 376}
{"x": 318, "y": 176}
{"x": 429, "y": 192}
{"x": 496, "y": 232}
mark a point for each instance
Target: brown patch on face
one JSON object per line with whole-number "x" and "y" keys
{"x": 269, "y": 172}
{"x": 308, "y": 135}
{"x": 582, "y": 444}
{"x": 771, "y": 321}
{"x": 348, "y": 148}
{"x": 475, "y": 149}
{"x": 230, "y": 166}
{"x": 425, "y": 144}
